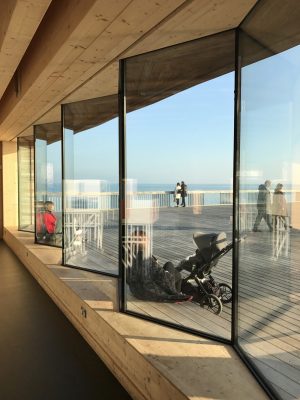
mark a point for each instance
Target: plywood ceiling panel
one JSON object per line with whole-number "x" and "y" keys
{"x": 66, "y": 67}
{"x": 278, "y": 33}
{"x": 64, "y": 61}
{"x": 196, "y": 19}
{"x": 104, "y": 83}
{"x": 51, "y": 116}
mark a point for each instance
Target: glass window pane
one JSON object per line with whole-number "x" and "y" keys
{"x": 91, "y": 185}
{"x": 179, "y": 151}
{"x": 268, "y": 311}
{"x": 26, "y": 183}
{"x": 48, "y": 184}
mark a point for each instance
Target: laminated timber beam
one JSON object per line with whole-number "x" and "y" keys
{"x": 19, "y": 21}
{"x": 77, "y": 41}
{"x": 73, "y": 42}
{"x": 192, "y": 20}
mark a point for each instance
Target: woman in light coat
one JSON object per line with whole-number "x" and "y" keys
{"x": 177, "y": 193}
{"x": 279, "y": 207}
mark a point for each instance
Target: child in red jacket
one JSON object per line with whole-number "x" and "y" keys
{"x": 50, "y": 221}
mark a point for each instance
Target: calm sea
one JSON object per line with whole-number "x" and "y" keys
{"x": 164, "y": 187}
{"x": 157, "y": 187}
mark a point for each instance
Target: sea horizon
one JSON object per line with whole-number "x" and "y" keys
{"x": 167, "y": 187}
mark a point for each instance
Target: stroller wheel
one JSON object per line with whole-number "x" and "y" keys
{"x": 225, "y": 293}
{"x": 212, "y": 303}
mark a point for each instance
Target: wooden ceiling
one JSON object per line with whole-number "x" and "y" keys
{"x": 19, "y": 22}
{"x": 62, "y": 51}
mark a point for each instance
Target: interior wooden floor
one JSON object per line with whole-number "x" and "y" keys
{"x": 42, "y": 355}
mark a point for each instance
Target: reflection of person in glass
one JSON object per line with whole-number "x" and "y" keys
{"x": 40, "y": 225}
{"x": 147, "y": 279}
{"x": 183, "y": 193}
{"x": 177, "y": 193}
{"x": 263, "y": 206}
{"x": 50, "y": 221}
{"x": 279, "y": 208}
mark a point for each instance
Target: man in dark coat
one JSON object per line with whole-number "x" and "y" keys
{"x": 263, "y": 206}
{"x": 183, "y": 193}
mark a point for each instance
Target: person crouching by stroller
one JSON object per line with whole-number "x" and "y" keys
{"x": 147, "y": 279}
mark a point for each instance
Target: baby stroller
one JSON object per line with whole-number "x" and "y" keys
{"x": 196, "y": 271}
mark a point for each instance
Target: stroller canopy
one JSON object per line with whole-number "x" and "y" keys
{"x": 207, "y": 240}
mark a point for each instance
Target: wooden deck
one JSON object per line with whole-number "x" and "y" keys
{"x": 173, "y": 240}
{"x": 269, "y": 290}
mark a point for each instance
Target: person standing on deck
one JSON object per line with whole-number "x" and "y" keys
{"x": 263, "y": 206}
{"x": 183, "y": 193}
{"x": 279, "y": 207}
{"x": 177, "y": 193}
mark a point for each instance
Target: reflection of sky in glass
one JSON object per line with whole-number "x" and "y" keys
{"x": 95, "y": 153}
{"x": 48, "y": 166}
{"x": 270, "y": 118}
{"x": 54, "y": 166}
{"x": 188, "y": 136}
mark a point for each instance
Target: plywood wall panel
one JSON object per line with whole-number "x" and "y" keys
{"x": 10, "y": 184}
{"x": 1, "y": 194}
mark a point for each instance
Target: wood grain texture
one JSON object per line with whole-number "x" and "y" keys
{"x": 10, "y": 184}
{"x": 1, "y": 194}
{"x": 19, "y": 21}
{"x": 65, "y": 54}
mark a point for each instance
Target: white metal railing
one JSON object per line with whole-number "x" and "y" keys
{"x": 145, "y": 205}
{"x": 87, "y": 214}
{"x": 160, "y": 199}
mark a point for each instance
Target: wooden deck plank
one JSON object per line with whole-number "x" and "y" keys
{"x": 269, "y": 288}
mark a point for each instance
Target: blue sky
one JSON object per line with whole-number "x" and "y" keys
{"x": 189, "y": 136}
{"x": 270, "y": 140}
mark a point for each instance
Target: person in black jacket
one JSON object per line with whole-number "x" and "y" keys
{"x": 183, "y": 193}
{"x": 263, "y": 206}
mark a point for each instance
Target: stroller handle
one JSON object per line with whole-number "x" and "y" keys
{"x": 226, "y": 249}
{"x": 218, "y": 255}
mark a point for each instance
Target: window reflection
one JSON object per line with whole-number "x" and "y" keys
{"x": 26, "y": 183}
{"x": 91, "y": 186}
{"x": 48, "y": 188}
{"x": 269, "y": 204}
{"x": 179, "y": 150}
